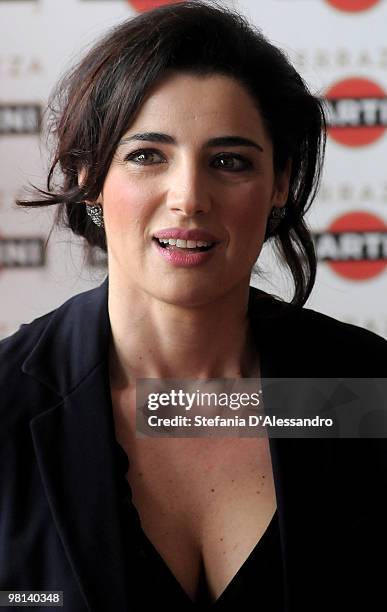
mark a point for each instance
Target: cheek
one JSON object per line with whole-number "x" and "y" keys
{"x": 246, "y": 223}
{"x": 126, "y": 205}
{"x": 248, "y": 212}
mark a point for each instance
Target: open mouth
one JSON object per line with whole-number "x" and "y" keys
{"x": 183, "y": 246}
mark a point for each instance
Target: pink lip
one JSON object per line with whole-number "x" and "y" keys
{"x": 194, "y": 234}
{"x": 184, "y": 259}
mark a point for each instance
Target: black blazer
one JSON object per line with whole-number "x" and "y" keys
{"x": 59, "y": 526}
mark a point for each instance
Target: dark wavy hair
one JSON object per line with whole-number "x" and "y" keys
{"x": 96, "y": 101}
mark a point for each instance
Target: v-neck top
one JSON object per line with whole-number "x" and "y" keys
{"x": 259, "y": 581}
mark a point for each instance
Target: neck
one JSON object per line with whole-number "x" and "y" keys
{"x": 155, "y": 339}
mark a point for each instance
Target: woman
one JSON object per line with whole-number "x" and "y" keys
{"x": 185, "y": 125}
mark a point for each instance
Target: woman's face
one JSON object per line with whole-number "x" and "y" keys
{"x": 197, "y": 157}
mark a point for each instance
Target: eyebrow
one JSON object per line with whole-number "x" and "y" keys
{"x": 220, "y": 141}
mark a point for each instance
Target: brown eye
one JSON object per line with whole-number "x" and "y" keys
{"x": 231, "y": 162}
{"x": 145, "y": 157}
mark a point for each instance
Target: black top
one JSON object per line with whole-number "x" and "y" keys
{"x": 61, "y": 510}
{"x": 259, "y": 580}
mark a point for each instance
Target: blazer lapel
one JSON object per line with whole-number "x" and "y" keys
{"x": 73, "y": 444}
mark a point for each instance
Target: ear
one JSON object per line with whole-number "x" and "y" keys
{"x": 82, "y": 175}
{"x": 281, "y": 185}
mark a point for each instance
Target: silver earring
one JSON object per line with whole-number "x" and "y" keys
{"x": 95, "y": 213}
{"x": 275, "y": 218}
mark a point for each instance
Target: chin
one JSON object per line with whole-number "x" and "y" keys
{"x": 189, "y": 297}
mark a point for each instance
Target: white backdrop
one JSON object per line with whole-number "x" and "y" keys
{"x": 339, "y": 46}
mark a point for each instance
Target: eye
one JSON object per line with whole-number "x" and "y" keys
{"x": 145, "y": 157}
{"x": 232, "y": 162}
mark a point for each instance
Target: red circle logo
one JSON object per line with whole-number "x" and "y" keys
{"x": 357, "y": 112}
{"x": 147, "y": 5}
{"x": 354, "y": 246}
{"x": 353, "y": 6}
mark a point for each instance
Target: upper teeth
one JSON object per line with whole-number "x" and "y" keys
{"x": 185, "y": 244}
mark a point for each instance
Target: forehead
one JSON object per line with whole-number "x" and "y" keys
{"x": 191, "y": 102}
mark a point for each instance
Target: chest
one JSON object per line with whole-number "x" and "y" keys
{"x": 203, "y": 503}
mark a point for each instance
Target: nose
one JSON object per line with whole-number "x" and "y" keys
{"x": 188, "y": 190}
